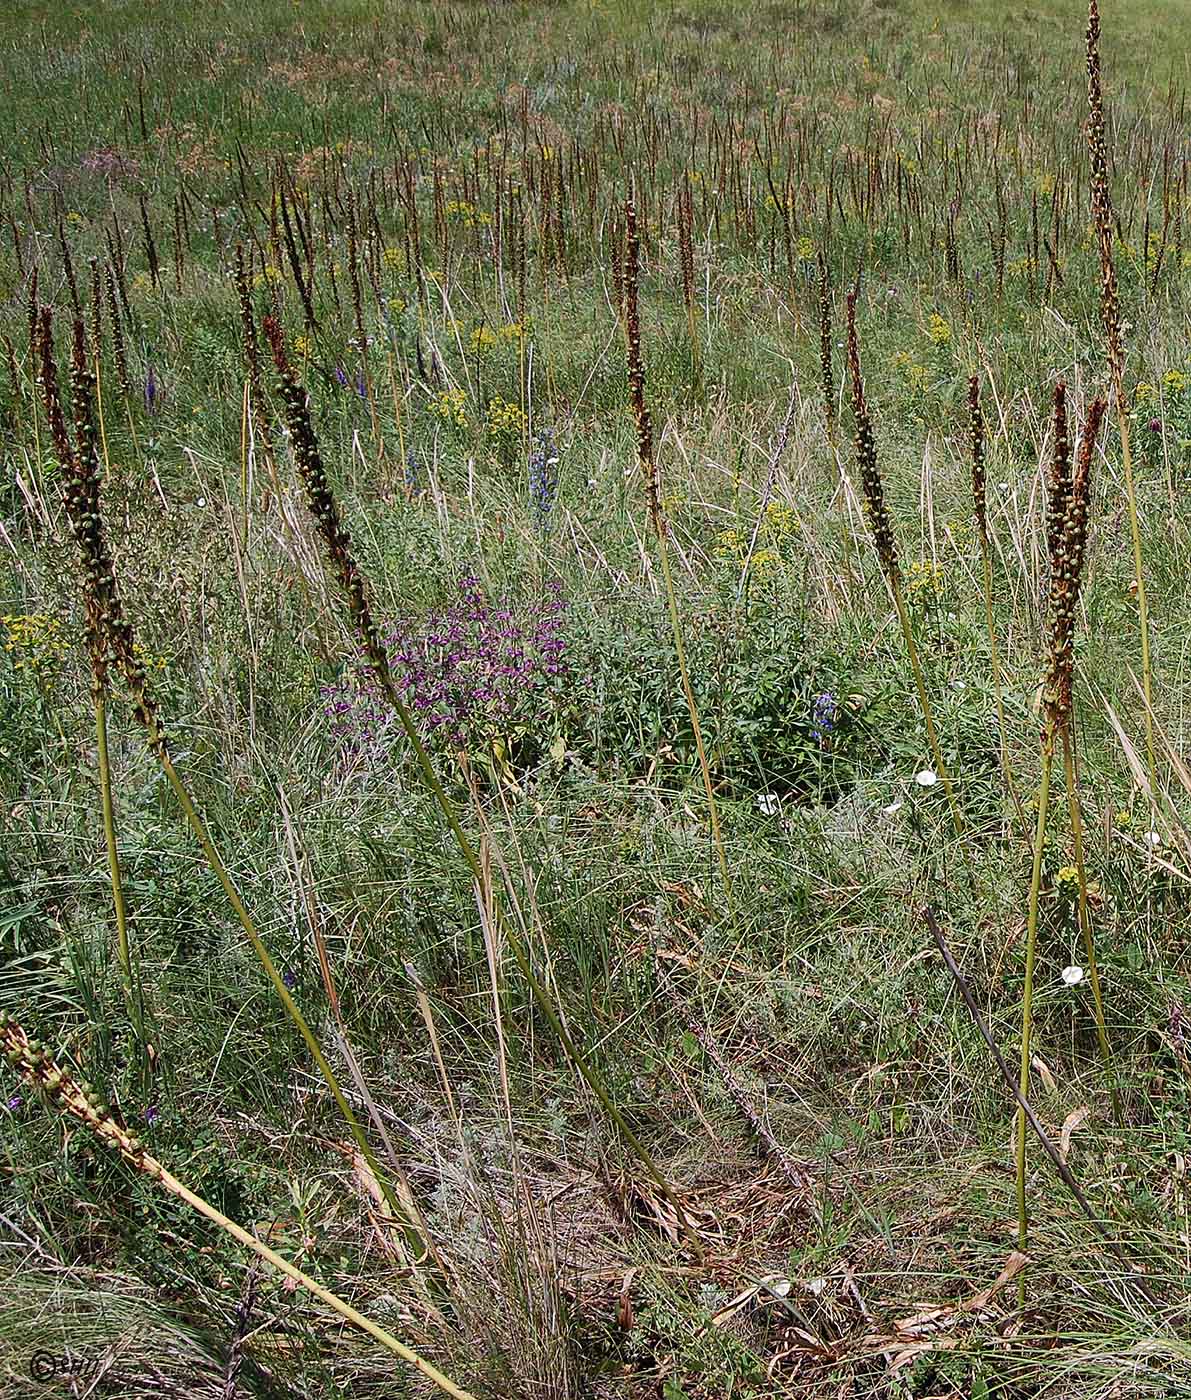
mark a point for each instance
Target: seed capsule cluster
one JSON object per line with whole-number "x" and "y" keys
{"x": 36, "y": 1066}
{"x": 109, "y": 635}
{"x": 1059, "y": 483}
{"x": 826, "y": 371}
{"x": 1066, "y": 573}
{"x": 256, "y": 387}
{"x": 866, "y": 455}
{"x": 632, "y": 312}
{"x": 321, "y": 500}
{"x": 979, "y": 477}
{"x": 1102, "y": 217}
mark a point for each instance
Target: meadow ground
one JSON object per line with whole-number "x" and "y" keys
{"x": 790, "y": 1166}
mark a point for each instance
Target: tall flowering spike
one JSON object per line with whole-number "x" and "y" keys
{"x": 118, "y": 353}
{"x": 632, "y": 312}
{"x": 825, "y": 365}
{"x": 108, "y": 635}
{"x": 42, "y": 347}
{"x": 1067, "y": 573}
{"x": 686, "y": 250}
{"x": 1059, "y": 486}
{"x": 1110, "y": 304}
{"x": 866, "y": 455}
{"x": 80, "y": 473}
{"x": 320, "y": 498}
{"x": 979, "y": 477}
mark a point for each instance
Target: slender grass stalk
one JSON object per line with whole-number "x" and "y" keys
{"x": 980, "y": 511}
{"x": 882, "y": 532}
{"x": 30, "y": 1060}
{"x": 245, "y": 434}
{"x": 123, "y": 949}
{"x": 1071, "y": 778}
{"x": 1110, "y": 308}
{"x": 1027, "y": 1004}
{"x": 338, "y": 546}
{"x": 657, "y": 516}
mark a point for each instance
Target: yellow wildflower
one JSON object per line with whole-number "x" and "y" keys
{"x": 938, "y": 329}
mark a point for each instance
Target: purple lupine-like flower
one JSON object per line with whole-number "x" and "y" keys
{"x": 1155, "y": 425}
{"x": 543, "y": 475}
{"x": 290, "y": 980}
{"x": 152, "y": 1114}
{"x": 413, "y": 471}
{"x": 151, "y": 390}
{"x": 341, "y": 376}
{"x": 823, "y": 716}
{"x": 14, "y": 1103}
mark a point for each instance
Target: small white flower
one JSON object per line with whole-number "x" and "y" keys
{"x": 1072, "y": 976}
{"x": 1153, "y": 840}
{"x": 895, "y": 806}
{"x": 767, "y": 804}
{"x": 927, "y": 778}
{"x": 201, "y": 502}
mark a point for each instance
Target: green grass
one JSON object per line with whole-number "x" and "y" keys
{"x": 821, "y": 987}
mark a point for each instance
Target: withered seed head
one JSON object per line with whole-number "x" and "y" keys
{"x": 321, "y": 500}
{"x": 866, "y": 456}
{"x": 1102, "y": 217}
{"x": 641, "y": 415}
{"x": 979, "y": 477}
{"x": 825, "y": 365}
{"x": 117, "y": 330}
{"x": 1067, "y": 574}
{"x": 30, "y": 1060}
{"x": 1059, "y": 484}
{"x": 109, "y": 636}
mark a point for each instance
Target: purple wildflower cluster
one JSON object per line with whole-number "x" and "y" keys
{"x": 543, "y": 475}
{"x": 472, "y": 672}
{"x": 823, "y": 716}
{"x": 344, "y": 382}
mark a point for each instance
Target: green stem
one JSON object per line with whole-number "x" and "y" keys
{"x": 1027, "y": 1005}
{"x": 998, "y": 682}
{"x": 1085, "y": 917}
{"x": 688, "y": 692}
{"x": 413, "y": 1237}
{"x": 1143, "y": 615}
{"x": 927, "y": 714}
{"x": 696, "y": 356}
{"x": 129, "y": 975}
